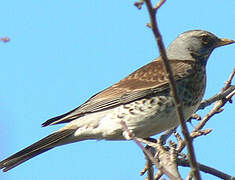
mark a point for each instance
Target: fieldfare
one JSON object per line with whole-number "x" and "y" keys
{"x": 142, "y": 100}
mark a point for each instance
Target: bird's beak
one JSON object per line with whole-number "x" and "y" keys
{"x": 224, "y": 42}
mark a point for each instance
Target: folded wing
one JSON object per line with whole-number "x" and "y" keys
{"x": 147, "y": 81}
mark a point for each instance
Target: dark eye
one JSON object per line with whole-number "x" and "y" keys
{"x": 206, "y": 39}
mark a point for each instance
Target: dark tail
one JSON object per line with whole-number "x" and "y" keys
{"x": 35, "y": 149}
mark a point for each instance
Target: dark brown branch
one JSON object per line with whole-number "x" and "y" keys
{"x": 191, "y": 154}
{"x": 207, "y": 169}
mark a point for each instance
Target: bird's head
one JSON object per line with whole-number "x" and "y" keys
{"x": 195, "y": 45}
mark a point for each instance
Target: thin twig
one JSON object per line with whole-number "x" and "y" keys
{"x": 146, "y": 152}
{"x": 173, "y": 158}
{"x": 215, "y": 110}
{"x": 216, "y": 97}
{"x": 166, "y": 157}
{"x": 229, "y": 97}
{"x": 150, "y": 169}
{"x": 229, "y": 81}
{"x": 207, "y": 169}
{"x": 195, "y": 134}
{"x": 191, "y": 154}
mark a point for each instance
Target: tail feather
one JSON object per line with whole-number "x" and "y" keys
{"x": 35, "y": 149}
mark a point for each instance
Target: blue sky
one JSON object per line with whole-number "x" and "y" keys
{"x": 62, "y": 52}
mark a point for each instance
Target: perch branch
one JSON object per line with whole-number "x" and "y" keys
{"x": 191, "y": 154}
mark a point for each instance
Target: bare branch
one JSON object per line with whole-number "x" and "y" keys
{"x": 195, "y": 134}
{"x": 228, "y": 91}
{"x": 229, "y": 97}
{"x": 150, "y": 169}
{"x": 216, "y": 97}
{"x": 146, "y": 152}
{"x": 152, "y": 13}
{"x": 207, "y": 169}
{"x": 229, "y": 81}
{"x": 215, "y": 110}
{"x": 159, "y": 4}
{"x": 166, "y": 158}
{"x": 195, "y": 116}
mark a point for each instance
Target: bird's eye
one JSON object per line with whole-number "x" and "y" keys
{"x": 206, "y": 39}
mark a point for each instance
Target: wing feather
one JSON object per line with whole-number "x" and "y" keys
{"x": 146, "y": 81}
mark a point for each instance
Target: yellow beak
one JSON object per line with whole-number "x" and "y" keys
{"x": 224, "y": 42}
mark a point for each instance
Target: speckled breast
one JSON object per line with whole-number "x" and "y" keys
{"x": 192, "y": 88}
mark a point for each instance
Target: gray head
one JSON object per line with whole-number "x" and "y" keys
{"x": 195, "y": 44}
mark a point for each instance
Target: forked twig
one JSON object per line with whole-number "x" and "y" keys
{"x": 146, "y": 152}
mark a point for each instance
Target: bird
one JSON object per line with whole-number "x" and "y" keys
{"x": 143, "y": 100}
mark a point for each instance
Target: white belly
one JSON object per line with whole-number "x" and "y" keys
{"x": 144, "y": 118}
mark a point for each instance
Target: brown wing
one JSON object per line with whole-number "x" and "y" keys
{"x": 146, "y": 81}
